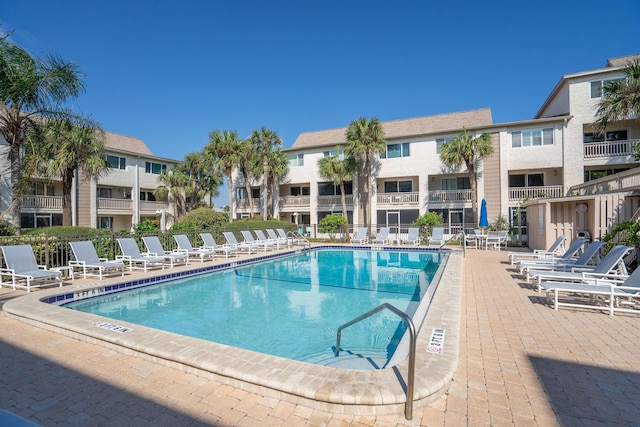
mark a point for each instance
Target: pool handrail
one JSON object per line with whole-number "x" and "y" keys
{"x": 458, "y": 234}
{"x": 296, "y": 237}
{"x": 408, "y": 405}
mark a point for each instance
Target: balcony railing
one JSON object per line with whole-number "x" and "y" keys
{"x": 334, "y": 201}
{"x": 115, "y": 204}
{"x": 609, "y": 148}
{"x": 623, "y": 181}
{"x": 542, "y": 192}
{"x": 450, "y": 196}
{"x": 294, "y": 201}
{"x": 42, "y": 202}
{"x": 147, "y": 206}
{"x": 244, "y": 204}
{"x": 398, "y": 199}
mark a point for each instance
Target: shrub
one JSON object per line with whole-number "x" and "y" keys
{"x": 332, "y": 224}
{"x": 147, "y": 225}
{"x": 429, "y": 219}
{"x": 201, "y": 218}
{"x": 6, "y": 228}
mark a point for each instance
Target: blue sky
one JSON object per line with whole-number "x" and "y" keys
{"x": 171, "y": 72}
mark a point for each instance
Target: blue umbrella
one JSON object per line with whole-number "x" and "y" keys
{"x": 484, "y": 220}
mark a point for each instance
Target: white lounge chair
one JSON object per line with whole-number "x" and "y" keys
{"x": 383, "y": 236}
{"x": 210, "y": 243}
{"x": 612, "y": 266}
{"x": 86, "y": 258}
{"x": 556, "y": 248}
{"x": 154, "y": 247}
{"x": 24, "y": 271}
{"x": 360, "y": 237}
{"x": 413, "y": 237}
{"x": 584, "y": 260}
{"x": 132, "y": 256}
{"x": 281, "y": 240}
{"x": 241, "y": 247}
{"x": 437, "y": 237}
{"x": 184, "y": 246}
{"x": 264, "y": 239}
{"x": 248, "y": 239}
{"x": 602, "y": 294}
{"x": 569, "y": 255}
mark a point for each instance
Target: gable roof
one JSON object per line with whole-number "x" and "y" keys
{"x": 125, "y": 143}
{"x": 622, "y": 61}
{"x": 439, "y": 123}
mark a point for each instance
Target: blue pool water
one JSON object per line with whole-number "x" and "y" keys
{"x": 289, "y": 307}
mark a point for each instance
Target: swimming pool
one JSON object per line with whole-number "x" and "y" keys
{"x": 289, "y": 307}
{"x": 364, "y": 392}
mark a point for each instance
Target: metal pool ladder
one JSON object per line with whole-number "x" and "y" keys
{"x": 408, "y": 406}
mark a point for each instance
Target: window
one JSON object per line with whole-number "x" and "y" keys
{"x": 154, "y": 168}
{"x": 590, "y": 175}
{"x": 441, "y": 141}
{"x": 331, "y": 153}
{"x": 105, "y": 193}
{"x": 396, "y": 150}
{"x": 255, "y": 193}
{"x": 105, "y": 222}
{"x": 147, "y": 196}
{"x": 116, "y": 162}
{"x": 526, "y": 180}
{"x": 461, "y": 183}
{"x": 299, "y": 191}
{"x": 532, "y": 138}
{"x": 617, "y": 135}
{"x": 330, "y": 189}
{"x": 398, "y": 187}
{"x": 598, "y": 86}
{"x": 296, "y": 160}
{"x": 38, "y": 188}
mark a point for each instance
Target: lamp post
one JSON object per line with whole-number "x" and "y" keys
{"x": 163, "y": 223}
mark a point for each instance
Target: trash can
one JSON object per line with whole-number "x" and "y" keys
{"x": 585, "y": 234}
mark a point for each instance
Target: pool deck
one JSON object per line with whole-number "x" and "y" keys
{"x": 520, "y": 363}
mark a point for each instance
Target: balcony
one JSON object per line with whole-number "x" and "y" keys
{"x": 334, "y": 201}
{"x": 153, "y": 207}
{"x": 41, "y": 202}
{"x": 115, "y": 204}
{"x": 398, "y": 199}
{"x": 447, "y": 196}
{"x": 294, "y": 202}
{"x": 609, "y": 148}
{"x": 528, "y": 193}
{"x": 243, "y": 205}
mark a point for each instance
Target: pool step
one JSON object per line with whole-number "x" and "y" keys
{"x": 349, "y": 359}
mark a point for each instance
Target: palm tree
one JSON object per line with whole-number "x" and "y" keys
{"x": 466, "y": 150}
{"x": 339, "y": 171}
{"x": 173, "y": 181}
{"x": 225, "y": 147}
{"x": 263, "y": 141}
{"x": 245, "y": 159}
{"x": 32, "y": 90}
{"x": 620, "y": 98}
{"x": 365, "y": 139}
{"x": 278, "y": 167}
{"x": 67, "y": 148}
{"x": 205, "y": 178}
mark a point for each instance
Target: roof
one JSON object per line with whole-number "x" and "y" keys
{"x": 126, "y": 143}
{"x": 622, "y": 61}
{"x": 402, "y": 128}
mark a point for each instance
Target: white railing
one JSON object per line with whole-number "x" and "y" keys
{"x": 244, "y": 204}
{"x": 147, "y": 206}
{"x": 541, "y": 192}
{"x": 398, "y": 199}
{"x": 623, "y": 181}
{"x": 115, "y": 204}
{"x": 609, "y": 148}
{"x": 42, "y": 202}
{"x": 294, "y": 201}
{"x": 334, "y": 200}
{"x": 450, "y": 196}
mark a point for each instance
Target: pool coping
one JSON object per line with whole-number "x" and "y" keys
{"x": 375, "y": 392}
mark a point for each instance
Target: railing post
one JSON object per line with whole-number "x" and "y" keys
{"x": 46, "y": 250}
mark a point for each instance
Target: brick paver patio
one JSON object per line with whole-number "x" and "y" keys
{"x": 521, "y": 363}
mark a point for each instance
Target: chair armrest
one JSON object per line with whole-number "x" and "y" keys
{"x": 7, "y": 271}
{"x": 105, "y": 259}
{"x": 42, "y": 267}
{"x": 76, "y": 263}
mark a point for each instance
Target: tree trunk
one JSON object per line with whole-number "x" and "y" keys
{"x": 16, "y": 194}
{"x": 343, "y": 199}
{"x": 265, "y": 183}
{"x": 360, "y": 195}
{"x": 67, "y": 181}
{"x": 473, "y": 183}
{"x": 247, "y": 189}
{"x": 366, "y": 197}
{"x": 232, "y": 209}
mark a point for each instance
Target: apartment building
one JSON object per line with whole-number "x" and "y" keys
{"x": 120, "y": 199}
{"x": 538, "y": 158}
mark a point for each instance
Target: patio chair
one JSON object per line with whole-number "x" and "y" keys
{"x": 584, "y": 260}
{"x": 281, "y": 240}
{"x": 413, "y": 237}
{"x": 240, "y": 247}
{"x": 86, "y": 259}
{"x": 574, "y": 249}
{"x": 132, "y": 256}
{"x": 248, "y": 239}
{"x": 612, "y": 266}
{"x": 472, "y": 238}
{"x": 602, "y": 294}
{"x": 24, "y": 271}
{"x": 554, "y": 249}
{"x": 154, "y": 247}
{"x": 360, "y": 237}
{"x": 210, "y": 243}
{"x": 184, "y": 246}
{"x": 437, "y": 237}
{"x": 383, "y": 236}
{"x": 263, "y": 238}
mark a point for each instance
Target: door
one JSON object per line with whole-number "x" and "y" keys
{"x": 393, "y": 222}
{"x": 456, "y": 220}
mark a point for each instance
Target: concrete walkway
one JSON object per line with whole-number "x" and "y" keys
{"x": 521, "y": 363}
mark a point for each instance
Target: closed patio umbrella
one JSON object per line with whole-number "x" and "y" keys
{"x": 484, "y": 220}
